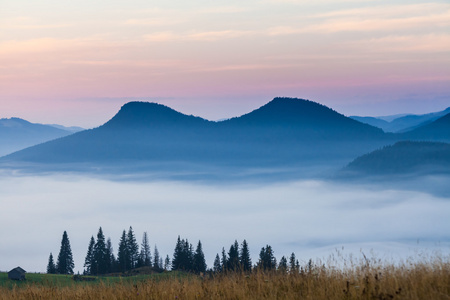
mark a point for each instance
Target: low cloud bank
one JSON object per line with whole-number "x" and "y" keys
{"x": 310, "y": 218}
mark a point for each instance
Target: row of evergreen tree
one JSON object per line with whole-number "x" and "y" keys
{"x": 100, "y": 258}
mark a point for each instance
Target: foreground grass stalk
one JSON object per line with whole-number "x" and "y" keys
{"x": 425, "y": 280}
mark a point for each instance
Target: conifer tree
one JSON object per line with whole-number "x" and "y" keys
{"x": 133, "y": 248}
{"x": 177, "y": 259}
{"x": 167, "y": 263}
{"x": 189, "y": 256}
{"x": 233, "y": 257}
{"x": 293, "y": 264}
{"x": 65, "y": 263}
{"x": 145, "y": 255}
{"x": 161, "y": 263}
{"x": 267, "y": 260}
{"x": 100, "y": 255}
{"x": 217, "y": 267}
{"x": 156, "y": 260}
{"x": 283, "y": 265}
{"x": 89, "y": 260}
{"x": 224, "y": 260}
{"x": 183, "y": 255}
{"x": 122, "y": 254}
{"x": 199, "y": 263}
{"x": 51, "y": 267}
{"x": 109, "y": 257}
{"x": 244, "y": 258}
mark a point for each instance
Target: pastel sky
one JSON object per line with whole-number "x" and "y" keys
{"x": 77, "y": 62}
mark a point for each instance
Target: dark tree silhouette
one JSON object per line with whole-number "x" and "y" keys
{"x": 133, "y": 248}
{"x": 167, "y": 263}
{"x": 156, "y": 260}
{"x": 100, "y": 256}
{"x": 283, "y": 265}
{"x": 217, "y": 267}
{"x": 244, "y": 258}
{"x": 109, "y": 257}
{"x": 65, "y": 263}
{"x": 199, "y": 263}
{"x": 294, "y": 266}
{"x": 177, "y": 260}
{"x": 267, "y": 260}
{"x": 233, "y": 257}
{"x": 89, "y": 260}
{"x": 51, "y": 267}
{"x": 123, "y": 258}
{"x": 224, "y": 259}
{"x": 145, "y": 255}
{"x": 183, "y": 255}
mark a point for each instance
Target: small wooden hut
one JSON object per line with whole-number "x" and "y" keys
{"x": 17, "y": 274}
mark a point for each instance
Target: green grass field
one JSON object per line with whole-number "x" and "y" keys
{"x": 56, "y": 280}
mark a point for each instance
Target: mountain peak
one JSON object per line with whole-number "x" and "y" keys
{"x": 149, "y": 114}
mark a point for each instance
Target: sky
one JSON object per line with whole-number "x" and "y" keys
{"x": 384, "y": 223}
{"x": 77, "y": 62}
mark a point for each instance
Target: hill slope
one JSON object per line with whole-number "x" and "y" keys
{"x": 404, "y": 158}
{"x": 17, "y": 134}
{"x": 438, "y": 130}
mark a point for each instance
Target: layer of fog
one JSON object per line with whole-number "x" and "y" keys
{"x": 310, "y": 218}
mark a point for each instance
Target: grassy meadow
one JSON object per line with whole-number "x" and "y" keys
{"x": 428, "y": 278}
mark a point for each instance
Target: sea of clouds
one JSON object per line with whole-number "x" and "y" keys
{"x": 312, "y": 218}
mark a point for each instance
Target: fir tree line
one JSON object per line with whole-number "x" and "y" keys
{"x": 100, "y": 258}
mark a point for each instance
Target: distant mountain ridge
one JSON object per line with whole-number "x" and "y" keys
{"x": 402, "y": 123}
{"x": 17, "y": 134}
{"x": 438, "y": 130}
{"x": 285, "y": 132}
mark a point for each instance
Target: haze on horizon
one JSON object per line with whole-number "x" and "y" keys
{"x": 76, "y": 63}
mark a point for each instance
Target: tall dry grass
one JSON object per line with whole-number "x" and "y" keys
{"x": 427, "y": 279}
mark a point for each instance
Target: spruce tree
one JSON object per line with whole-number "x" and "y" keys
{"x": 145, "y": 255}
{"x": 283, "y": 265}
{"x": 244, "y": 258}
{"x": 122, "y": 254}
{"x": 217, "y": 267}
{"x": 65, "y": 263}
{"x": 109, "y": 257}
{"x": 133, "y": 249}
{"x": 183, "y": 255}
{"x": 167, "y": 263}
{"x": 189, "y": 256}
{"x": 100, "y": 256}
{"x": 161, "y": 263}
{"x": 51, "y": 267}
{"x": 177, "y": 255}
{"x": 233, "y": 257}
{"x": 199, "y": 263}
{"x": 267, "y": 260}
{"x": 156, "y": 260}
{"x": 224, "y": 259}
{"x": 89, "y": 260}
{"x": 293, "y": 264}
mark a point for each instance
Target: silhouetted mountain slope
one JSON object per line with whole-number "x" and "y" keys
{"x": 372, "y": 121}
{"x": 71, "y": 129}
{"x": 407, "y": 158}
{"x": 284, "y": 132}
{"x": 139, "y": 115}
{"x": 302, "y": 120}
{"x": 403, "y": 123}
{"x": 438, "y": 130}
{"x": 16, "y": 134}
